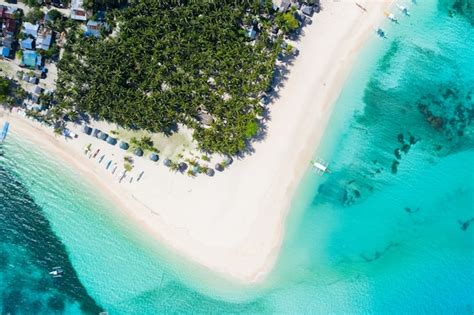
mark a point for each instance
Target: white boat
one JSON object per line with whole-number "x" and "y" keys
{"x": 321, "y": 167}
{"x": 403, "y": 9}
{"x": 391, "y": 17}
{"x": 56, "y": 272}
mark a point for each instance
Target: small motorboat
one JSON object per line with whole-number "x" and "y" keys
{"x": 391, "y": 17}
{"x": 320, "y": 166}
{"x": 403, "y": 9}
{"x": 57, "y": 272}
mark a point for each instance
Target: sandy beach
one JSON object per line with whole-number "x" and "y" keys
{"x": 233, "y": 223}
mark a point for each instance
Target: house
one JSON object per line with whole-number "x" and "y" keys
{"x": 6, "y": 52}
{"x": 252, "y": 33}
{"x": 44, "y": 41}
{"x": 8, "y": 42}
{"x": 38, "y": 90}
{"x": 3, "y": 11}
{"x": 10, "y": 13}
{"x": 9, "y": 26}
{"x": 77, "y": 10}
{"x": 30, "y": 58}
{"x": 30, "y": 29}
{"x": 28, "y": 43}
{"x": 33, "y": 80}
{"x": 285, "y": 6}
{"x": 307, "y": 10}
{"x": 93, "y": 28}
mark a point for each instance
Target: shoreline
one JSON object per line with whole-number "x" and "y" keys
{"x": 234, "y": 224}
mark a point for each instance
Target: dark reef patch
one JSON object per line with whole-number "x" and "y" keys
{"x": 28, "y": 250}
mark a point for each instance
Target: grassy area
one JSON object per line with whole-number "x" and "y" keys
{"x": 167, "y": 146}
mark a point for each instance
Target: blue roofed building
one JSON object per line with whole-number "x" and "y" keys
{"x": 93, "y": 28}
{"x": 30, "y": 29}
{"x": 27, "y": 44}
{"x": 30, "y": 58}
{"x": 6, "y": 52}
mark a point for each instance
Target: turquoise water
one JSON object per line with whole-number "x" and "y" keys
{"x": 391, "y": 230}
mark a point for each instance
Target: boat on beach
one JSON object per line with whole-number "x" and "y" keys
{"x": 320, "y": 166}
{"x": 3, "y": 134}
{"x": 403, "y": 9}
{"x": 391, "y": 17}
{"x": 380, "y": 32}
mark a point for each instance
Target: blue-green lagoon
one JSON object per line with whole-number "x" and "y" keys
{"x": 390, "y": 230}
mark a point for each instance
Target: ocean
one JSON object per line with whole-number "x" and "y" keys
{"x": 389, "y": 230}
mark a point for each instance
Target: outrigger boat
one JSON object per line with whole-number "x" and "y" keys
{"x": 391, "y": 17}
{"x": 56, "y": 272}
{"x": 320, "y": 166}
{"x": 403, "y": 9}
{"x": 3, "y": 134}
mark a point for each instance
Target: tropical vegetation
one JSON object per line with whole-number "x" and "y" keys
{"x": 169, "y": 62}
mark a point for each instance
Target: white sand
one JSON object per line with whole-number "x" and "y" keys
{"x": 234, "y": 222}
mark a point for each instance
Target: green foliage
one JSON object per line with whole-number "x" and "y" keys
{"x": 251, "y": 129}
{"x": 54, "y": 15}
{"x": 4, "y": 89}
{"x": 287, "y": 21}
{"x": 34, "y": 15}
{"x": 171, "y": 52}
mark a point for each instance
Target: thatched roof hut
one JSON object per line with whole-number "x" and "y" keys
{"x": 154, "y": 157}
{"x": 96, "y": 132}
{"x": 183, "y": 166}
{"x": 87, "y": 130}
{"x": 111, "y": 141}
{"x": 205, "y": 118}
{"x": 228, "y": 160}
{"x": 124, "y": 145}
{"x": 210, "y": 172}
{"x": 219, "y": 167}
{"x": 138, "y": 152}
{"x": 167, "y": 162}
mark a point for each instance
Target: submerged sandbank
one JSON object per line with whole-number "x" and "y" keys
{"x": 233, "y": 223}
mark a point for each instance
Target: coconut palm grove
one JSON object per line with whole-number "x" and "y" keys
{"x": 161, "y": 64}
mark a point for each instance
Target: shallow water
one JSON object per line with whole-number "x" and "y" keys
{"x": 390, "y": 230}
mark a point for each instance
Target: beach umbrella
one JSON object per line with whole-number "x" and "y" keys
{"x": 124, "y": 145}
{"x": 182, "y": 166}
{"x": 111, "y": 140}
{"x": 138, "y": 152}
{"x": 210, "y": 172}
{"x": 219, "y": 167}
{"x": 167, "y": 162}
{"x": 154, "y": 157}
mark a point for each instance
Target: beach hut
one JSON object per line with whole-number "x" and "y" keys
{"x": 111, "y": 141}
{"x": 87, "y": 130}
{"x": 167, "y": 162}
{"x": 138, "y": 152}
{"x": 154, "y": 157}
{"x": 210, "y": 172}
{"x": 124, "y": 145}
{"x": 183, "y": 166}
{"x": 219, "y": 167}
